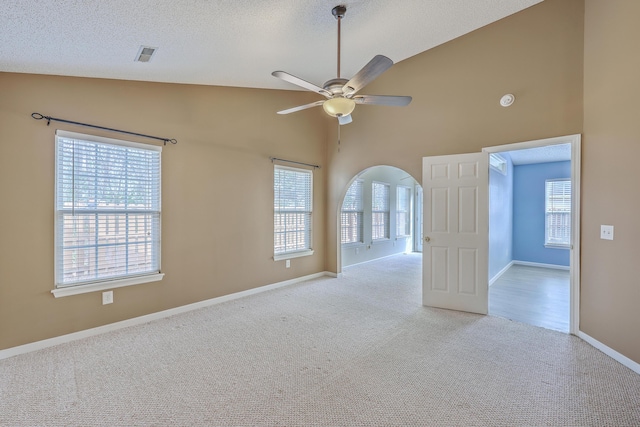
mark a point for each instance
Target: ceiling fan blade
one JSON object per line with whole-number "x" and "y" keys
{"x": 302, "y": 83}
{"x": 345, "y": 120}
{"x": 394, "y": 101}
{"x": 378, "y": 65}
{"x": 301, "y": 107}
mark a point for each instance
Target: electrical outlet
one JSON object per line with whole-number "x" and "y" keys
{"x": 606, "y": 232}
{"x": 287, "y": 263}
{"x": 107, "y": 297}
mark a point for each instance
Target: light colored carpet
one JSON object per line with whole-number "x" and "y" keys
{"x": 355, "y": 351}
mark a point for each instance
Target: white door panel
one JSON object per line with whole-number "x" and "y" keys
{"x": 456, "y": 222}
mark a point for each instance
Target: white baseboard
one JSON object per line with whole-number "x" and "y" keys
{"x": 500, "y": 273}
{"x": 539, "y": 264}
{"x": 39, "y": 345}
{"x": 611, "y": 352}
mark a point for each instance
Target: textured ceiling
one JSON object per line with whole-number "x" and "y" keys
{"x": 228, "y": 43}
{"x": 550, "y": 153}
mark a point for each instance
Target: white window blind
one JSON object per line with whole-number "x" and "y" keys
{"x": 107, "y": 198}
{"x": 352, "y": 214}
{"x": 379, "y": 211}
{"x": 558, "y": 212}
{"x": 403, "y": 211}
{"x": 292, "y": 189}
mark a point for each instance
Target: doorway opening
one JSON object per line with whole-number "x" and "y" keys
{"x": 379, "y": 215}
{"x": 534, "y": 232}
{"x": 456, "y": 228}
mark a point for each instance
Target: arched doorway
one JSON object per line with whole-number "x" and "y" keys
{"x": 379, "y": 215}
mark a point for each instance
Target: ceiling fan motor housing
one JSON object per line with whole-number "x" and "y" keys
{"x": 335, "y": 86}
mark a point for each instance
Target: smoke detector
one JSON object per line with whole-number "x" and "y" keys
{"x": 507, "y": 100}
{"x": 145, "y": 53}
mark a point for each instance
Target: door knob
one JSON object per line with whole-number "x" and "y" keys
{"x": 427, "y": 239}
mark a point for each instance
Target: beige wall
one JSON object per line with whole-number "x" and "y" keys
{"x": 217, "y": 190}
{"x": 226, "y": 135}
{"x": 535, "y": 54}
{"x": 611, "y": 148}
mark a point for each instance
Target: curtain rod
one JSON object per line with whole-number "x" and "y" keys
{"x": 291, "y": 161}
{"x": 39, "y": 116}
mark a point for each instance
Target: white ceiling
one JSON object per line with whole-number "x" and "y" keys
{"x": 550, "y": 153}
{"x": 228, "y": 43}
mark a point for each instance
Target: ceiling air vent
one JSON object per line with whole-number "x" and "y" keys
{"x": 145, "y": 53}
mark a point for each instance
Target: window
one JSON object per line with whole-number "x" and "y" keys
{"x": 403, "y": 211}
{"x": 379, "y": 211}
{"x": 558, "y": 212}
{"x": 107, "y": 224}
{"x": 352, "y": 213}
{"x": 292, "y": 190}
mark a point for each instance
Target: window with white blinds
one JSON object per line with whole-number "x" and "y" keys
{"x": 292, "y": 189}
{"x": 558, "y": 212}
{"x": 379, "y": 211}
{"x": 403, "y": 211}
{"x": 107, "y": 199}
{"x": 352, "y": 214}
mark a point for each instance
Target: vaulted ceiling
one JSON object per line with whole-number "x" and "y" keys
{"x": 228, "y": 43}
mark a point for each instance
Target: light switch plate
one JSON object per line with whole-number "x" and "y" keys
{"x": 606, "y": 232}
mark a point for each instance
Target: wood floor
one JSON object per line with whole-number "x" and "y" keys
{"x": 533, "y": 295}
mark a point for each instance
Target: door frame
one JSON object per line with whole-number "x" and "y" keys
{"x": 574, "y": 260}
{"x": 417, "y": 218}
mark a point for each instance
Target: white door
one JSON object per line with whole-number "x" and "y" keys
{"x": 455, "y": 253}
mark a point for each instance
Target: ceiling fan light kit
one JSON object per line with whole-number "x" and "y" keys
{"x": 339, "y": 106}
{"x": 341, "y": 93}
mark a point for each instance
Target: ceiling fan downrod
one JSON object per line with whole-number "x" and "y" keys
{"x": 339, "y": 12}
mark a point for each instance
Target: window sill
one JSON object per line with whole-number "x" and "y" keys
{"x": 291, "y": 255}
{"x": 102, "y": 286}
{"x": 378, "y": 241}
{"x": 552, "y": 246}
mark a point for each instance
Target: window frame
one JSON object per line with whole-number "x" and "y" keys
{"x": 386, "y": 214}
{"x": 569, "y": 220}
{"x": 62, "y": 289}
{"x": 358, "y": 211}
{"x": 278, "y": 256}
{"x": 407, "y": 223}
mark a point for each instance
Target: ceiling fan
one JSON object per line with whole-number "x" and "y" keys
{"x": 341, "y": 93}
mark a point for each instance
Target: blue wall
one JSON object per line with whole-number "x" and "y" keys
{"x": 500, "y": 218}
{"x": 528, "y": 212}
